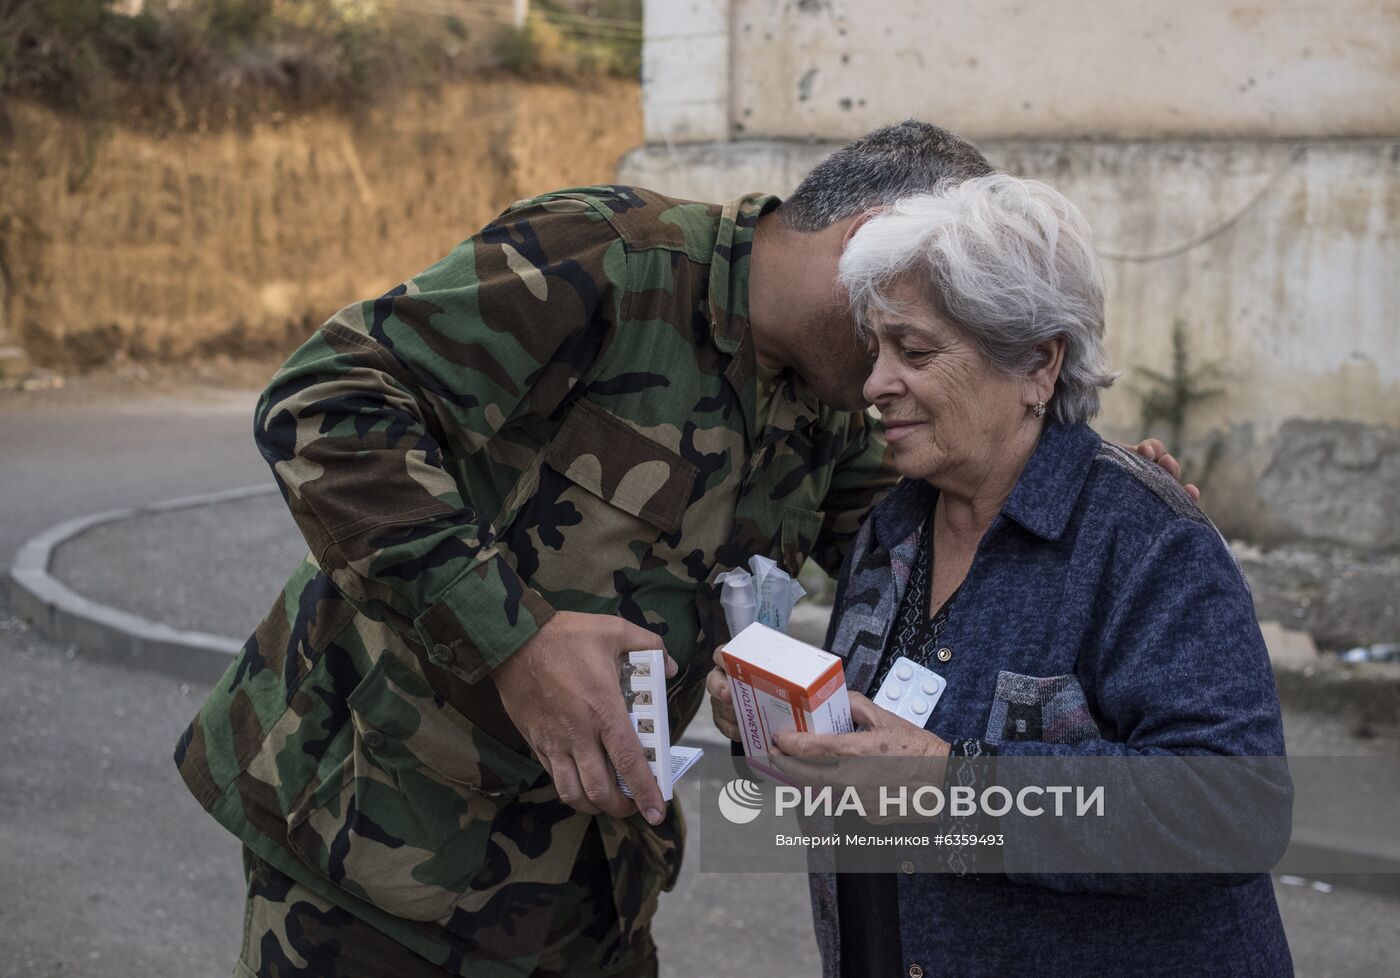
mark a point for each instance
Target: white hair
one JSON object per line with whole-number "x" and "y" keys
{"x": 1008, "y": 262}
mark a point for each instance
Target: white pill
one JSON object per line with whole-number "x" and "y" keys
{"x": 893, "y": 691}
{"x": 930, "y": 686}
{"x": 904, "y": 671}
{"x": 920, "y": 706}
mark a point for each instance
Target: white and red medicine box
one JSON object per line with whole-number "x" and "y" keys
{"x": 780, "y": 683}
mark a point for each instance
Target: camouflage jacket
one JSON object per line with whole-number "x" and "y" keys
{"x": 560, "y": 414}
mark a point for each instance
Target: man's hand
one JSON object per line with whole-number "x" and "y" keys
{"x": 722, "y": 699}
{"x": 561, "y": 691}
{"x": 1154, "y": 451}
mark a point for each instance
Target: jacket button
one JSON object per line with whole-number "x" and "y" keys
{"x": 442, "y": 655}
{"x": 374, "y": 740}
{"x": 944, "y": 654}
{"x": 906, "y": 868}
{"x": 915, "y": 971}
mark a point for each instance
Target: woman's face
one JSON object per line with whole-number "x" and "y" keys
{"x": 947, "y": 411}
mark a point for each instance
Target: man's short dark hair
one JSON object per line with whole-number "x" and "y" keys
{"x": 880, "y": 168}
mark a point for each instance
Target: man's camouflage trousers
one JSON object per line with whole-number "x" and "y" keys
{"x": 290, "y": 931}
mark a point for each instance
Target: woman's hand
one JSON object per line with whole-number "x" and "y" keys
{"x": 722, "y": 699}
{"x": 885, "y": 752}
{"x": 879, "y": 733}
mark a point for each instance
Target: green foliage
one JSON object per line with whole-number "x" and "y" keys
{"x": 54, "y": 46}
{"x": 454, "y": 26}
{"x": 182, "y": 63}
{"x": 557, "y": 40}
{"x": 528, "y": 50}
{"x": 238, "y": 20}
{"x": 1169, "y": 398}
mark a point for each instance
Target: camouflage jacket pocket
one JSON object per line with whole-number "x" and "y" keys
{"x": 1051, "y": 709}
{"x": 403, "y": 815}
{"x": 622, "y": 467}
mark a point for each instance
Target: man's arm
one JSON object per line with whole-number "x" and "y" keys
{"x": 366, "y": 424}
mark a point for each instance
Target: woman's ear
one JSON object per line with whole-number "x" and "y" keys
{"x": 1050, "y": 357}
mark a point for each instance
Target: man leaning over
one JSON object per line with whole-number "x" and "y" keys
{"x": 530, "y": 458}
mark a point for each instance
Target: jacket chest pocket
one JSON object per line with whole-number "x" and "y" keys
{"x": 605, "y": 493}
{"x": 1051, "y": 709}
{"x": 622, "y": 467}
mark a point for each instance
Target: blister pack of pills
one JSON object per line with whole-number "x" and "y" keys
{"x": 910, "y": 691}
{"x": 643, "y": 680}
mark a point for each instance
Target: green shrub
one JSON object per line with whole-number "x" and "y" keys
{"x": 557, "y": 40}
{"x": 53, "y": 46}
{"x": 217, "y": 60}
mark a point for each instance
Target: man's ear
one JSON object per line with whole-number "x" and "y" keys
{"x": 1050, "y": 358}
{"x": 856, "y": 223}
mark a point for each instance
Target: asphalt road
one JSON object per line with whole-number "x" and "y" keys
{"x": 65, "y": 454}
{"x": 108, "y": 866}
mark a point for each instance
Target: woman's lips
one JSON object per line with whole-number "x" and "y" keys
{"x": 895, "y": 430}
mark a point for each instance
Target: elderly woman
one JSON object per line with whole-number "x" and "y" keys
{"x": 1073, "y": 596}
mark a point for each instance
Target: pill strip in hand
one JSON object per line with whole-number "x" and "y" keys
{"x": 910, "y": 691}
{"x": 643, "y": 680}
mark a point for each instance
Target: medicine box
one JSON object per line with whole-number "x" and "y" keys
{"x": 780, "y": 683}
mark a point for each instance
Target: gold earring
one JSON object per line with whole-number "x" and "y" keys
{"x": 1039, "y": 409}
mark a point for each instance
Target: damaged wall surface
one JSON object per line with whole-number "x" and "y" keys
{"x": 1240, "y": 165}
{"x": 1055, "y": 69}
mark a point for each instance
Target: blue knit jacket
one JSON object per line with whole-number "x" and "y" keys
{"x": 1099, "y": 577}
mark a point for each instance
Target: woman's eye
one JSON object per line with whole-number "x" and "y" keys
{"x": 913, "y": 356}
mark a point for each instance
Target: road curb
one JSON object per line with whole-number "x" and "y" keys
{"x": 110, "y": 634}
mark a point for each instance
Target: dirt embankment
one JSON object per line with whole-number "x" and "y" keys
{"x": 123, "y": 245}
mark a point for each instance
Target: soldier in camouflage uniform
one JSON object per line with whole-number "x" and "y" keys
{"x": 531, "y": 457}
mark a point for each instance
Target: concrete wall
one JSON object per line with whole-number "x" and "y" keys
{"x": 1240, "y": 166}
{"x": 832, "y": 69}
{"x": 685, "y": 70}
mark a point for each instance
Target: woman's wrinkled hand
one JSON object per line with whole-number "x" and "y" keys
{"x": 878, "y": 733}
{"x": 885, "y": 751}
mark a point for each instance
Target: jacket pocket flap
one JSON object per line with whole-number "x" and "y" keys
{"x": 623, "y": 467}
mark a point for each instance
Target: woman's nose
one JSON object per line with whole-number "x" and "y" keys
{"x": 882, "y": 384}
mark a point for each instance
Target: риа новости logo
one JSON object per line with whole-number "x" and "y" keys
{"x": 740, "y": 801}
